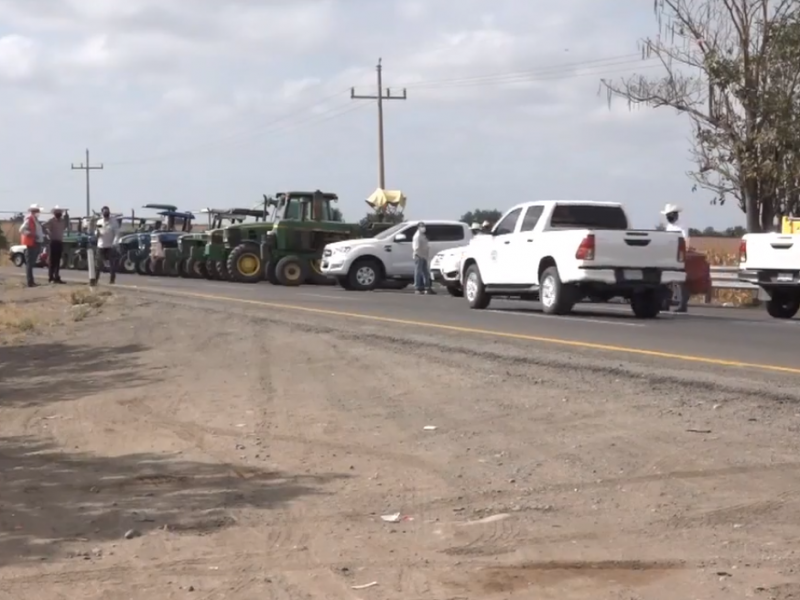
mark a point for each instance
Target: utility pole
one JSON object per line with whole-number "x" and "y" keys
{"x": 88, "y": 168}
{"x": 380, "y": 97}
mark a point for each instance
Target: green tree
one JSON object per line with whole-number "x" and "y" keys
{"x": 481, "y": 215}
{"x": 733, "y": 68}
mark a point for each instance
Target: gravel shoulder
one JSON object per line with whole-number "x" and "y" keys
{"x": 153, "y": 447}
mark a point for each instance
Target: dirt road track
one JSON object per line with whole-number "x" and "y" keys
{"x": 255, "y": 457}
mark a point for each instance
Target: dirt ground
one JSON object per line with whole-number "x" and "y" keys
{"x": 155, "y": 449}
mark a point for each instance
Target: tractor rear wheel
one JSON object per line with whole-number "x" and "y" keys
{"x": 244, "y": 264}
{"x": 183, "y": 269}
{"x": 315, "y": 274}
{"x": 270, "y": 273}
{"x": 157, "y": 266}
{"x": 196, "y": 268}
{"x": 221, "y": 268}
{"x": 172, "y": 268}
{"x": 291, "y": 271}
{"x": 211, "y": 270}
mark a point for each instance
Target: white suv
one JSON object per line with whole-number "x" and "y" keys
{"x": 365, "y": 264}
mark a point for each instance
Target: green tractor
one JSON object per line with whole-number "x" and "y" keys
{"x": 192, "y": 246}
{"x": 287, "y": 250}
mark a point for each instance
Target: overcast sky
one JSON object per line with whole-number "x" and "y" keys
{"x": 210, "y": 102}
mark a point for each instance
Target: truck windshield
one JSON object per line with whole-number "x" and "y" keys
{"x": 385, "y": 235}
{"x": 588, "y": 216}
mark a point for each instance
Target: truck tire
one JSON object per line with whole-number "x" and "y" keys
{"x": 782, "y": 306}
{"x": 456, "y": 291}
{"x": 647, "y": 304}
{"x": 18, "y": 259}
{"x": 474, "y": 290}
{"x": 557, "y": 298}
{"x": 344, "y": 283}
{"x": 365, "y": 275}
{"x": 291, "y": 271}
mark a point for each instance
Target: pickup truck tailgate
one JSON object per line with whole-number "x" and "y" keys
{"x": 773, "y": 252}
{"x": 638, "y": 249}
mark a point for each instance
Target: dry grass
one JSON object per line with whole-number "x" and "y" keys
{"x": 24, "y": 311}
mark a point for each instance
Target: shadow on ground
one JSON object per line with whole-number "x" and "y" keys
{"x": 39, "y": 373}
{"x": 49, "y": 498}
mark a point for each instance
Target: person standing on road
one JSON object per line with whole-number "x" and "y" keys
{"x": 422, "y": 272}
{"x": 31, "y": 233}
{"x": 671, "y": 213}
{"x": 56, "y": 227}
{"x": 107, "y": 231}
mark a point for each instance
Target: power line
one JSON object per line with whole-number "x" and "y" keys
{"x": 88, "y": 168}
{"x": 380, "y": 96}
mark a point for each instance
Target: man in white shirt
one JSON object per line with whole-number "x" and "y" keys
{"x": 107, "y": 231}
{"x": 421, "y": 249}
{"x": 671, "y": 213}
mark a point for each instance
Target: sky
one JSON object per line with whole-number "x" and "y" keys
{"x": 202, "y": 103}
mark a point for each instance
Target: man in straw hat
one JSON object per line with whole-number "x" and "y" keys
{"x": 56, "y": 227}
{"x": 671, "y": 213}
{"x": 31, "y": 233}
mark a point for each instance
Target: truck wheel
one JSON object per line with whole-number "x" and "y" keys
{"x": 646, "y": 305}
{"x": 244, "y": 264}
{"x": 344, "y": 283}
{"x": 291, "y": 271}
{"x": 364, "y": 275}
{"x": 18, "y": 259}
{"x": 456, "y": 291}
{"x": 557, "y": 298}
{"x": 270, "y": 273}
{"x": 783, "y": 307}
{"x": 474, "y": 290}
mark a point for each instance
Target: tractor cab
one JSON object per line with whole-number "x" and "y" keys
{"x": 306, "y": 206}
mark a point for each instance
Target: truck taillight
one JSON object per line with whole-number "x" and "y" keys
{"x": 681, "y": 249}
{"x": 743, "y": 251}
{"x": 586, "y": 248}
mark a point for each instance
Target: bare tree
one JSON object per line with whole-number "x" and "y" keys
{"x": 733, "y": 67}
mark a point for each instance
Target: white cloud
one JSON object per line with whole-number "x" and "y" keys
{"x": 223, "y": 101}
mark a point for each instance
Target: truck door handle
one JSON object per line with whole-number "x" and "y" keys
{"x": 388, "y": 248}
{"x": 507, "y": 242}
{"x": 530, "y": 239}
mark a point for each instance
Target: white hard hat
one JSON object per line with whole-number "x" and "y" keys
{"x": 671, "y": 208}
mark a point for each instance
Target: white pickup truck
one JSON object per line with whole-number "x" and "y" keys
{"x": 562, "y": 252}
{"x": 772, "y": 262}
{"x": 366, "y": 264}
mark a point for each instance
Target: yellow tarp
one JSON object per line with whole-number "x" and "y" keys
{"x": 385, "y": 198}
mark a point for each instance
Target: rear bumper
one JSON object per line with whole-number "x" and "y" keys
{"x": 771, "y": 279}
{"x": 625, "y": 278}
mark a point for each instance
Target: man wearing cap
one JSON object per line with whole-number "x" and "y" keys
{"x": 31, "y": 233}
{"x": 55, "y": 228}
{"x": 671, "y": 213}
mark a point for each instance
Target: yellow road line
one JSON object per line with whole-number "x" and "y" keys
{"x": 485, "y": 332}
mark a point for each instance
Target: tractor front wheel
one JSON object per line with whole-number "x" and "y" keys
{"x": 244, "y": 264}
{"x": 291, "y": 271}
{"x": 221, "y": 268}
{"x": 270, "y": 273}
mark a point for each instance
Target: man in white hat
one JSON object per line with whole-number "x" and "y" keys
{"x": 671, "y": 213}
{"x": 31, "y": 234}
{"x": 56, "y": 227}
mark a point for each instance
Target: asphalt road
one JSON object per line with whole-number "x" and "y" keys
{"x": 705, "y": 335}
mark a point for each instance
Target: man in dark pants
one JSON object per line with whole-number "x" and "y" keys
{"x": 55, "y": 228}
{"x": 107, "y": 231}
